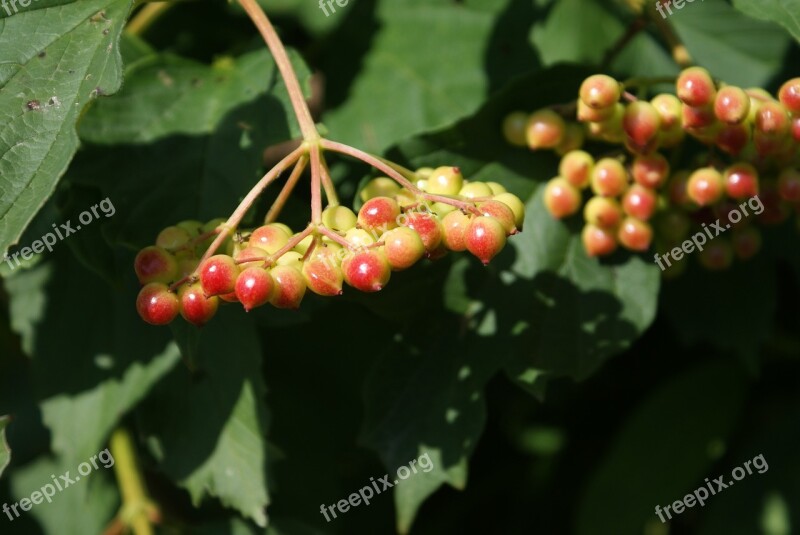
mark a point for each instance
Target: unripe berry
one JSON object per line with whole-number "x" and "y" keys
{"x": 156, "y": 304}
{"x": 192, "y": 226}
{"x": 516, "y": 205}
{"x": 425, "y": 172}
{"x": 484, "y": 238}
{"x": 501, "y": 212}
{"x": 379, "y": 214}
{"x": 154, "y": 264}
{"x": 442, "y": 209}
{"x": 598, "y": 241}
{"x": 323, "y": 276}
{"x": 574, "y": 137}
{"x": 290, "y": 287}
{"x": 427, "y": 226}
{"x": 405, "y": 198}
{"x": 403, "y": 247}
{"x": 576, "y": 166}
{"x": 454, "y": 226}
{"x": 561, "y": 198}
{"x": 187, "y": 266}
{"x": 789, "y": 185}
{"x": 254, "y": 287}
{"x": 496, "y": 188}
{"x": 746, "y": 242}
{"x": 634, "y": 234}
{"x": 291, "y": 258}
{"x": 172, "y": 238}
{"x": 651, "y": 170}
{"x": 379, "y": 187}
{"x": 772, "y": 120}
{"x": 789, "y": 95}
{"x": 741, "y": 181}
{"x": 732, "y": 105}
{"x": 445, "y": 180}
{"x": 717, "y": 255}
{"x": 218, "y": 275}
{"x": 270, "y": 238}
{"x": 639, "y": 202}
{"x": 472, "y": 190}
{"x": 642, "y": 124}
{"x": 705, "y": 186}
{"x": 600, "y": 91}
{"x": 195, "y": 307}
{"x": 669, "y": 110}
{"x": 368, "y": 270}
{"x": 514, "y": 128}
{"x": 359, "y": 238}
{"x": 609, "y": 178}
{"x": 695, "y": 87}
{"x": 339, "y": 218}
{"x": 544, "y": 130}
{"x": 602, "y": 212}
{"x": 586, "y": 113}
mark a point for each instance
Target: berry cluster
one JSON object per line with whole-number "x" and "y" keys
{"x": 746, "y": 145}
{"x": 394, "y": 228}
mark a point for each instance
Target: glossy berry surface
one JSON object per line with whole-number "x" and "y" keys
{"x": 156, "y": 304}
{"x": 484, "y": 237}
{"x": 155, "y": 264}
{"x": 218, "y": 275}
{"x": 368, "y": 271}
{"x": 195, "y": 307}
{"x": 254, "y": 287}
{"x": 403, "y": 247}
{"x": 561, "y": 198}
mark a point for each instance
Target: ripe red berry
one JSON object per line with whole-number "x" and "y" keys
{"x": 705, "y": 186}
{"x": 598, "y": 241}
{"x": 639, "y": 202}
{"x": 445, "y": 180}
{"x": 156, "y": 304}
{"x": 454, "y": 226}
{"x": 600, "y": 91}
{"x": 366, "y": 270}
{"x": 641, "y": 124}
{"x": 695, "y": 87}
{"x": 269, "y": 238}
{"x": 155, "y": 264}
{"x": 609, "y": 178}
{"x": 485, "y": 237}
{"x": 741, "y": 181}
{"x": 427, "y": 226}
{"x": 403, "y": 247}
{"x": 576, "y": 166}
{"x": 732, "y": 105}
{"x": 603, "y": 212}
{"x": 545, "y": 129}
{"x": 379, "y": 214}
{"x": 323, "y": 275}
{"x": 561, "y": 198}
{"x": 290, "y": 287}
{"x": 218, "y": 275}
{"x": 195, "y": 307}
{"x": 789, "y": 185}
{"x": 254, "y": 287}
{"x": 634, "y": 234}
{"x": 789, "y": 95}
{"x": 695, "y": 119}
{"x": 651, "y": 170}
{"x": 733, "y": 138}
{"x": 501, "y": 212}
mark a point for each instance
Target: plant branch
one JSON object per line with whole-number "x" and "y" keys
{"x": 136, "y": 506}
{"x": 316, "y": 189}
{"x": 374, "y": 161}
{"x": 278, "y": 51}
{"x": 277, "y": 206}
{"x": 680, "y": 54}
{"x": 327, "y": 183}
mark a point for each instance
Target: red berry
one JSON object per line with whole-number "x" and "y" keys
{"x": 789, "y": 185}
{"x": 196, "y": 308}
{"x": 379, "y": 214}
{"x": 600, "y": 91}
{"x": 705, "y": 186}
{"x": 156, "y": 304}
{"x": 732, "y": 105}
{"x": 603, "y": 212}
{"x": 323, "y": 275}
{"x": 639, "y": 202}
{"x": 697, "y": 118}
{"x": 218, "y": 275}
{"x": 595, "y": 115}
{"x": 155, "y": 264}
{"x": 609, "y": 178}
{"x": 741, "y": 181}
{"x": 576, "y": 166}
{"x": 485, "y": 237}
{"x": 366, "y": 270}
{"x": 651, "y": 170}
{"x": 789, "y": 95}
{"x": 455, "y": 224}
{"x": 501, "y": 212}
{"x": 695, "y": 87}
{"x": 427, "y": 226}
{"x": 290, "y": 287}
{"x": 634, "y": 234}
{"x": 545, "y": 129}
{"x": 598, "y": 241}
{"x": 561, "y": 198}
{"x": 733, "y": 138}
{"x": 403, "y": 247}
{"x": 641, "y": 124}
{"x": 254, "y": 287}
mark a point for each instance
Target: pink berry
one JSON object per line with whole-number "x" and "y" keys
{"x": 218, "y": 275}
{"x": 254, "y": 287}
{"x": 195, "y": 307}
{"x": 366, "y": 270}
{"x": 639, "y": 202}
{"x": 403, "y": 247}
{"x": 156, "y": 304}
{"x": 379, "y": 214}
{"x": 598, "y": 241}
{"x": 695, "y": 87}
{"x": 290, "y": 287}
{"x": 484, "y": 238}
{"x": 561, "y": 198}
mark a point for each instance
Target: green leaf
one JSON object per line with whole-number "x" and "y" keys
{"x": 113, "y": 367}
{"x": 166, "y": 95}
{"x": 208, "y": 428}
{"x": 52, "y": 63}
{"x": 664, "y": 450}
{"x": 5, "y": 451}
{"x": 784, "y": 12}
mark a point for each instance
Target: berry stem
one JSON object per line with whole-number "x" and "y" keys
{"x": 325, "y": 231}
{"x": 291, "y": 244}
{"x": 680, "y": 54}
{"x": 374, "y": 161}
{"x": 316, "y": 190}
{"x": 327, "y": 183}
{"x": 277, "y": 206}
{"x": 301, "y": 111}
{"x": 136, "y": 505}
{"x": 467, "y": 206}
